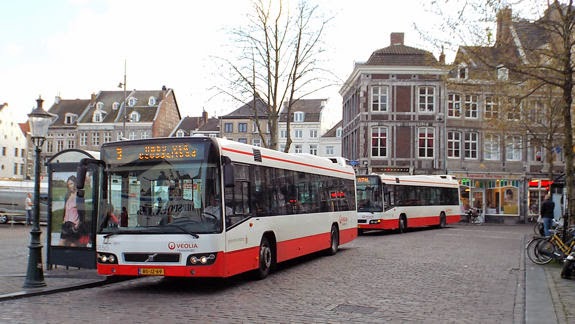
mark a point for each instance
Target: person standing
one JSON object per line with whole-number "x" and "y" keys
{"x": 28, "y": 206}
{"x": 547, "y": 208}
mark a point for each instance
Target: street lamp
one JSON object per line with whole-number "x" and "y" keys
{"x": 39, "y": 121}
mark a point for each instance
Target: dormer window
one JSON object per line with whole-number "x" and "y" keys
{"x": 502, "y": 73}
{"x": 152, "y": 101}
{"x": 134, "y": 116}
{"x": 462, "y": 72}
{"x": 70, "y": 119}
{"x": 180, "y": 133}
{"x": 132, "y": 101}
{"x": 298, "y": 116}
{"x": 115, "y": 105}
{"x": 338, "y": 132}
{"x": 100, "y": 105}
{"x": 98, "y": 116}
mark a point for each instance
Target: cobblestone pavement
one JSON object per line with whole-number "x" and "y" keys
{"x": 461, "y": 274}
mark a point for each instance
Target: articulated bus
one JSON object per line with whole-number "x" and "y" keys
{"x": 389, "y": 202}
{"x": 211, "y": 207}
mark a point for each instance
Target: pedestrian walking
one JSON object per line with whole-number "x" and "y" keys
{"x": 547, "y": 208}
{"x": 28, "y": 206}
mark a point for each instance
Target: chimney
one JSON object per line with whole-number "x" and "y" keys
{"x": 503, "y": 24}
{"x": 57, "y": 99}
{"x": 93, "y": 97}
{"x": 396, "y": 38}
{"x": 204, "y": 117}
{"x": 442, "y": 56}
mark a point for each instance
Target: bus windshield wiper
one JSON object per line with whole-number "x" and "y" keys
{"x": 183, "y": 229}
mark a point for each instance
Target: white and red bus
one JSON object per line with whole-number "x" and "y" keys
{"x": 389, "y": 202}
{"x": 278, "y": 206}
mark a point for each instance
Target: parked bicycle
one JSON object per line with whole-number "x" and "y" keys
{"x": 474, "y": 216}
{"x": 542, "y": 250}
{"x": 538, "y": 227}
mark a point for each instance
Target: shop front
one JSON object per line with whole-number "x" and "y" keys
{"x": 497, "y": 200}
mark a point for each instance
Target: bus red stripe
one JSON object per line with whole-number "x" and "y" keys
{"x": 286, "y": 161}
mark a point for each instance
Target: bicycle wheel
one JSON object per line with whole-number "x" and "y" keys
{"x": 533, "y": 252}
{"x": 545, "y": 250}
{"x": 538, "y": 229}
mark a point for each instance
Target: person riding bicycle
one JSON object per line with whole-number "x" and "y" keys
{"x": 547, "y": 208}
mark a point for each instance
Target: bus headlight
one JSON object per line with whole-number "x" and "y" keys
{"x": 107, "y": 258}
{"x": 201, "y": 259}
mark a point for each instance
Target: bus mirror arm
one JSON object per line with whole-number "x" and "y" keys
{"x": 83, "y": 169}
{"x": 228, "y": 169}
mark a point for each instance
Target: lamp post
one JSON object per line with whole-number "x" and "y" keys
{"x": 39, "y": 121}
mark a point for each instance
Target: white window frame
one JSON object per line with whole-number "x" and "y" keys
{"x": 379, "y": 141}
{"x": 453, "y": 105}
{"x": 491, "y": 147}
{"x": 453, "y": 144}
{"x": 298, "y": 133}
{"x": 471, "y": 106}
{"x": 134, "y": 117}
{"x": 379, "y": 98}
{"x": 491, "y": 108}
{"x": 426, "y": 99}
{"x": 298, "y": 117}
{"x": 426, "y": 142}
{"x": 471, "y": 145}
{"x": 513, "y": 148}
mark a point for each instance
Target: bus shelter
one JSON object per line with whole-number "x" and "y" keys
{"x": 71, "y": 219}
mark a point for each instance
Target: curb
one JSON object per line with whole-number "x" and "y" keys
{"x": 48, "y": 291}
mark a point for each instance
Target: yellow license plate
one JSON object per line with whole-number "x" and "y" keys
{"x": 151, "y": 272}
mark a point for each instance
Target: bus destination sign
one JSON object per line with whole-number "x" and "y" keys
{"x": 152, "y": 152}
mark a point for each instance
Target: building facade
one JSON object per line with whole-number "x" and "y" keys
{"x": 13, "y": 150}
{"x": 394, "y": 112}
{"x": 304, "y": 127}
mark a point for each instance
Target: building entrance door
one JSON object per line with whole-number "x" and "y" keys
{"x": 478, "y": 202}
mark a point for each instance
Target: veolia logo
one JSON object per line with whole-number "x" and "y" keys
{"x": 172, "y": 245}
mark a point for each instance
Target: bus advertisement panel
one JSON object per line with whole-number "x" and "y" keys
{"x": 387, "y": 202}
{"x": 210, "y": 207}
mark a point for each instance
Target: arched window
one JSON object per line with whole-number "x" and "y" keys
{"x": 100, "y": 105}
{"x": 132, "y": 101}
{"x": 180, "y": 133}
{"x": 152, "y": 101}
{"x": 115, "y": 105}
{"x": 298, "y": 116}
{"x": 134, "y": 116}
{"x": 98, "y": 116}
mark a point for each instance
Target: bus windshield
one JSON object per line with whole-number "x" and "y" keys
{"x": 162, "y": 197}
{"x": 369, "y": 196}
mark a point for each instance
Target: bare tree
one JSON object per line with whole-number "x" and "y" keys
{"x": 279, "y": 61}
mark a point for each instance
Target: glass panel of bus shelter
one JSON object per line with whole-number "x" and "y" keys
{"x": 369, "y": 194}
{"x": 169, "y": 197}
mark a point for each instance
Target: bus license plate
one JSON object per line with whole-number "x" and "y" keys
{"x": 151, "y": 272}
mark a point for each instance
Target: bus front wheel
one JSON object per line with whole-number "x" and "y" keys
{"x": 265, "y": 259}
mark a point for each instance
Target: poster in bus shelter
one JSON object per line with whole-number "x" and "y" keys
{"x": 71, "y": 223}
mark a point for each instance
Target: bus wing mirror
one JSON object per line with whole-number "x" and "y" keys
{"x": 228, "y": 167}
{"x": 83, "y": 169}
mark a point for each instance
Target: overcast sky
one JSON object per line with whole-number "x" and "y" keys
{"x": 72, "y": 48}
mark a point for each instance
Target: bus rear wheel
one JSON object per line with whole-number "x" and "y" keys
{"x": 334, "y": 241}
{"x": 442, "y": 220}
{"x": 402, "y": 224}
{"x": 265, "y": 259}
